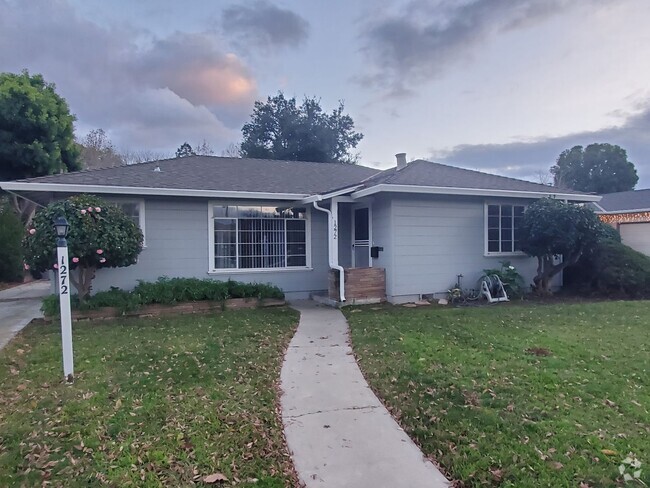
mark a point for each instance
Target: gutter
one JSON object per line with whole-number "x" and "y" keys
{"x": 332, "y": 251}
{"x": 486, "y": 192}
{"x": 324, "y": 196}
{"x": 144, "y": 191}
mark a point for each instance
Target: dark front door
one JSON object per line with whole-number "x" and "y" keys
{"x": 361, "y": 238}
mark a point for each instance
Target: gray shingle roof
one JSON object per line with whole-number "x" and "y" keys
{"x": 219, "y": 173}
{"x": 626, "y": 201}
{"x": 427, "y": 173}
{"x": 273, "y": 176}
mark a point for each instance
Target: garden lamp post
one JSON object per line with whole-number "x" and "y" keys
{"x": 61, "y": 228}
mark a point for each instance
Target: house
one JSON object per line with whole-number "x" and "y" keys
{"x": 629, "y": 212}
{"x": 401, "y": 233}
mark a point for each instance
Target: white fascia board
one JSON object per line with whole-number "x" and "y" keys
{"x": 614, "y": 212}
{"x": 144, "y": 191}
{"x": 483, "y": 192}
{"x": 325, "y": 196}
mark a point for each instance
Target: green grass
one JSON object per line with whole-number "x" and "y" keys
{"x": 462, "y": 384}
{"x": 155, "y": 402}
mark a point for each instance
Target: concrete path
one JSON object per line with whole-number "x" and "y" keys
{"x": 339, "y": 433}
{"x": 19, "y": 306}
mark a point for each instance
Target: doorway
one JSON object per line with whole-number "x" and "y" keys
{"x": 361, "y": 238}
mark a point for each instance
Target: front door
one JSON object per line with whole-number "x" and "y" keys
{"x": 361, "y": 238}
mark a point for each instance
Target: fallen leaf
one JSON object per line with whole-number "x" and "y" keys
{"x": 214, "y": 478}
{"x": 21, "y": 387}
{"x": 557, "y": 465}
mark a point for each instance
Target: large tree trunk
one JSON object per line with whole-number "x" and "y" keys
{"x": 546, "y": 270}
{"x": 83, "y": 281}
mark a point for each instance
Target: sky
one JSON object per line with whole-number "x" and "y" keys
{"x": 502, "y": 86}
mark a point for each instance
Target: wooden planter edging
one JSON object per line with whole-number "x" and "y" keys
{"x": 158, "y": 310}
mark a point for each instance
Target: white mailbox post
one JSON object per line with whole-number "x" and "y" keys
{"x": 61, "y": 227}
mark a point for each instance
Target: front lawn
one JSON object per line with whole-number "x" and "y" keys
{"x": 155, "y": 402}
{"x": 516, "y": 395}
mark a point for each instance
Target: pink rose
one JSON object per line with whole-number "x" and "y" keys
{"x": 90, "y": 209}
{"x": 75, "y": 260}
{"x": 26, "y": 266}
{"x": 83, "y": 211}
{"x": 99, "y": 251}
{"x": 56, "y": 266}
{"x": 98, "y": 209}
{"x": 102, "y": 260}
{"x": 32, "y": 231}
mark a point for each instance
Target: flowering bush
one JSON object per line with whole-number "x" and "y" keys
{"x": 513, "y": 282}
{"x": 101, "y": 236}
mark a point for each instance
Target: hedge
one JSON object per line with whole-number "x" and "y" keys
{"x": 166, "y": 291}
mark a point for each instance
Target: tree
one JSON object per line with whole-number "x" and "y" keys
{"x": 11, "y": 254}
{"x": 598, "y": 168}
{"x": 142, "y": 156}
{"x": 36, "y": 132}
{"x": 97, "y": 151}
{"x": 185, "y": 150}
{"x": 280, "y": 129}
{"x": 204, "y": 149}
{"x": 101, "y": 236}
{"x": 553, "y": 228}
{"x": 232, "y": 150}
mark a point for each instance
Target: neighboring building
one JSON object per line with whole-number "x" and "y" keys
{"x": 629, "y": 212}
{"x": 289, "y": 223}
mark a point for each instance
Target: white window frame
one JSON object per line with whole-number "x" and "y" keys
{"x": 141, "y": 213}
{"x": 486, "y": 252}
{"x": 222, "y": 271}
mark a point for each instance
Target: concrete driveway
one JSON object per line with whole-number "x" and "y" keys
{"x": 19, "y": 306}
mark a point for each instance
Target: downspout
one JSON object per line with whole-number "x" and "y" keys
{"x": 332, "y": 253}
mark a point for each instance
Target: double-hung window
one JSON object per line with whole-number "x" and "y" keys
{"x": 503, "y": 228}
{"x": 258, "y": 237}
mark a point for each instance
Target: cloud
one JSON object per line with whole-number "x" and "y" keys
{"x": 527, "y": 159}
{"x": 147, "y": 92}
{"x": 425, "y": 37}
{"x": 264, "y": 25}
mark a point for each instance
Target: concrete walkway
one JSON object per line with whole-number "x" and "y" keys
{"x": 339, "y": 433}
{"x": 19, "y": 306}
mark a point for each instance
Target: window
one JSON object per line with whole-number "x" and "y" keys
{"x": 256, "y": 237}
{"x": 503, "y": 228}
{"x": 134, "y": 209}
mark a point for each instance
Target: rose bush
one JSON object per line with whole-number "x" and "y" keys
{"x": 101, "y": 236}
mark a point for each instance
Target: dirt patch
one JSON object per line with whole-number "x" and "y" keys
{"x": 538, "y": 351}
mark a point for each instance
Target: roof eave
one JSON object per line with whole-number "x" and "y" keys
{"x": 626, "y": 211}
{"x": 486, "y": 192}
{"x": 145, "y": 191}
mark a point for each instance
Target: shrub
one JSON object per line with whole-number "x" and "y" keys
{"x": 101, "y": 236}
{"x": 611, "y": 269}
{"x": 166, "y": 291}
{"x": 513, "y": 282}
{"x": 11, "y": 254}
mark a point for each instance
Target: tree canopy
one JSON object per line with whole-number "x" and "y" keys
{"x": 553, "y": 228}
{"x": 97, "y": 151}
{"x": 280, "y": 129}
{"x": 101, "y": 236}
{"x": 36, "y": 128}
{"x": 185, "y": 150}
{"x": 598, "y": 168}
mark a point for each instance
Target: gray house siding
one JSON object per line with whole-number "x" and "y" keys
{"x": 382, "y": 236}
{"x": 436, "y": 238}
{"x": 177, "y": 246}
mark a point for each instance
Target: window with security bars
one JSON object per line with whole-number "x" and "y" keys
{"x": 253, "y": 237}
{"x": 504, "y": 228}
